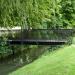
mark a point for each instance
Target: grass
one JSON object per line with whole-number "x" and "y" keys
{"x": 59, "y": 62}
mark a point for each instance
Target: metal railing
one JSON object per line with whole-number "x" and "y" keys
{"x": 40, "y": 36}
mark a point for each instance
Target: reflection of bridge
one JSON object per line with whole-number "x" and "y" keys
{"x": 42, "y": 37}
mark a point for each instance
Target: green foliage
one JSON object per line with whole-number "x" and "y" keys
{"x": 4, "y": 48}
{"x": 37, "y": 13}
{"x": 68, "y": 13}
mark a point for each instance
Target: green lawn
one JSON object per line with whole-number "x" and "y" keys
{"x": 59, "y": 62}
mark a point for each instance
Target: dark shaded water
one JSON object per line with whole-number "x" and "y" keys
{"x": 20, "y": 58}
{"x": 23, "y": 57}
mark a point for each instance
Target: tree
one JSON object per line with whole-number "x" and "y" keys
{"x": 37, "y": 13}
{"x": 68, "y": 12}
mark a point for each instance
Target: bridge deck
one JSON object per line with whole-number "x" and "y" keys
{"x": 37, "y": 42}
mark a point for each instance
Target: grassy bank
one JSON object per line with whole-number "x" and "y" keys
{"x": 59, "y": 62}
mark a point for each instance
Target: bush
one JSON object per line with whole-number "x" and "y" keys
{"x": 4, "y": 47}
